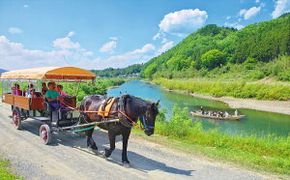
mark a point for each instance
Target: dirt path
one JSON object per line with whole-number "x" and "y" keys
{"x": 66, "y": 158}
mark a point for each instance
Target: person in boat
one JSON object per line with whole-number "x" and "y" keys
{"x": 201, "y": 110}
{"x": 210, "y": 113}
{"x": 226, "y": 114}
{"x": 236, "y": 112}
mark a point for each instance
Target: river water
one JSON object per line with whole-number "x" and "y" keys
{"x": 254, "y": 123}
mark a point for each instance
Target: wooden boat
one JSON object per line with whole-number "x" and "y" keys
{"x": 229, "y": 117}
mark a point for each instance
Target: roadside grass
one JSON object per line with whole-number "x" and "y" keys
{"x": 258, "y": 90}
{"x": 5, "y": 172}
{"x": 1, "y": 88}
{"x": 269, "y": 153}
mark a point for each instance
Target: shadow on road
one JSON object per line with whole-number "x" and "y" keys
{"x": 138, "y": 161}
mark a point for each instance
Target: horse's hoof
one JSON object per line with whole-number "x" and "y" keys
{"x": 126, "y": 164}
{"x": 93, "y": 150}
{"x": 107, "y": 153}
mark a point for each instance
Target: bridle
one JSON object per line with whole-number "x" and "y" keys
{"x": 145, "y": 123}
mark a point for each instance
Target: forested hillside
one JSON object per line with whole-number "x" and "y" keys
{"x": 129, "y": 71}
{"x": 214, "y": 50}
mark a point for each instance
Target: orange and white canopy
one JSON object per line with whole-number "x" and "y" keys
{"x": 50, "y": 73}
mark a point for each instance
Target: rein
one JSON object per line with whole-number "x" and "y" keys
{"x": 118, "y": 111}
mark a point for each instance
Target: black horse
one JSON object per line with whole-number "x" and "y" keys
{"x": 128, "y": 109}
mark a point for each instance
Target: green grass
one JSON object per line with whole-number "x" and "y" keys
{"x": 268, "y": 153}
{"x": 258, "y": 90}
{"x": 5, "y": 172}
{"x": 0, "y": 88}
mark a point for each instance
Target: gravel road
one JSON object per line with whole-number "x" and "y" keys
{"x": 67, "y": 157}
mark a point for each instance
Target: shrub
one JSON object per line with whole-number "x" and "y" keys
{"x": 213, "y": 58}
{"x": 178, "y": 126}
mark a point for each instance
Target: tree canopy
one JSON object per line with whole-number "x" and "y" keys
{"x": 213, "y": 46}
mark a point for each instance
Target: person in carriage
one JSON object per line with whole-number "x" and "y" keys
{"x": 56, "y": 102}
{"x": 44, "y": 88}
{"x": 59, "y": 89}
{"x": 16, "y": 90}
{"x": 53, "y": 97}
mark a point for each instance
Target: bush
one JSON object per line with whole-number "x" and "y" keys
{"x": 213, "y": 58}
{"x": 178, "y": 126}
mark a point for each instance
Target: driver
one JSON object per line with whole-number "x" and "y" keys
{"x": 53, "y": 97}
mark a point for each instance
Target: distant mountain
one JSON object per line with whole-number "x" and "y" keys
{"x": 2, "y": 70}
{"x": 213, "y": 46}
{"x": 130, "y": 71}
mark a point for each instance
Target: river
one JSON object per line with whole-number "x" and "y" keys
{"x": 254, "y": 123}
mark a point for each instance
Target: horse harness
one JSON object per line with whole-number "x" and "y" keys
{"x": 104, "y": 110}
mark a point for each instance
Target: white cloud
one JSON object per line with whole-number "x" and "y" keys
{"x": 257, "y": 1}
{"x": 114, "y": 38}
{"x": 25, "y": 6}
{"x": 249, "y": 13}
{"x": 234, "y": 25}
{"x": 110, "y": 46}
{"x": 228, "y": 17}
{"x": 166, "y": 46}
{"x": 144, "y": 49}
{"x": 281, "y": 6}
{"x": 66, "y": 42}
{"x": 15, "y": 30}
{"x": 162, "y": 36}
{"x": 183, "y": 22}
{"x": 131, "y": 57}
{"x": 15, "y": 56}
{"x": 70, "y": 34}
{"x": 157, "y": 36}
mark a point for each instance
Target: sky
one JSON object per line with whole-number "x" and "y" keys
{"x": 97, "y": 34}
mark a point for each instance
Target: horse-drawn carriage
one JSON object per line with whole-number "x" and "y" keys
{"x": 122, "y": 114}
{"x": 36, "y": 107}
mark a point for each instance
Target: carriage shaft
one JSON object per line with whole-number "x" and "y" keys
{"x": 89, "y": 124}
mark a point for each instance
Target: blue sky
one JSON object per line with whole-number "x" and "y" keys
{"x": 99, "y": 34}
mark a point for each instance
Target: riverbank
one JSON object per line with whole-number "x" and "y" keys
{"x": 282, "y": 107}
{"x": 216, "y": 91}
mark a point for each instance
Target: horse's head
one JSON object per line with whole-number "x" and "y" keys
{"x": 148, "y": 119}
{"x": 137, "y": 108}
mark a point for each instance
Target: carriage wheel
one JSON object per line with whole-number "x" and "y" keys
{"x": 45, "y": 134}
{"x": 16, "y": 119}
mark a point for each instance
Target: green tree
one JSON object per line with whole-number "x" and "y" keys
{"x": 150, "y": 70}
{"x": 213, "y": 58}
